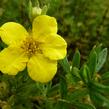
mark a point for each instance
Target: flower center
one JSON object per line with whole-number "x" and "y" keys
{"x": 30, "y": 46}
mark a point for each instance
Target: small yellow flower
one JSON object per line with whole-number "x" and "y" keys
{"x": 38, "y": 50}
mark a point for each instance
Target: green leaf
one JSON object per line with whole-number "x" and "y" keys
{"x": 75, "y": 71}
{"x": 83, "y": 106}
{"x": 76, "y": 59}
{"x": 44, "y": 10}
{"x": 74, "y": 76}
{"x": 97, "y": 48}
{"x": 61, "y": 105}
{"x": 92, "y": 62}
{"x": 48, "y": 104}
{"x": 30, "y": 10}
{"x": 85, "y": 74}
{"x": 54, "y": 90}
{"x": 105, "y": 76}
{"x": 65, "y": 64}
{"x": 99, "y": 87}
{"x": 99, "y": 99}
{"x": 76, "y": 104}
{"x": 101, "y": 59}
{"x": 77, "y": 94}
{"x": 63, "y": 87}
{"x": 36, "y": 2}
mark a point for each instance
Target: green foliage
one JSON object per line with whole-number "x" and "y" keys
{"x": 76, "y": 59}
{"x": 81, "y": 81}
{"x": 89, "y": 84}
{"x": 83, "y": 23}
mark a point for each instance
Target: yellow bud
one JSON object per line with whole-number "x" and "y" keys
{"x": 36, "y": 11}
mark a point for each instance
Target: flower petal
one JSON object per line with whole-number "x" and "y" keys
{"x": 41, "y": 69}
{"x": 44, "y": 25}
{"x": 12, "y": 60}
{"x": 54, "y": 47}
{"x": 12, "y": 32}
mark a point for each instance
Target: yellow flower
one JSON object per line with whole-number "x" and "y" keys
{"x": 38, "y": 50}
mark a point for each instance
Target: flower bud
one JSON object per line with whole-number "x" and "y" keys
{"x": 36, "y": 11}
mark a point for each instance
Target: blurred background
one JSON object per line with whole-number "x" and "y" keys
{"x": 83, "y": 23}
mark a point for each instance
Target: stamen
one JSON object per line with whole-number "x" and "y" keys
{"x": 30, "y": 46}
